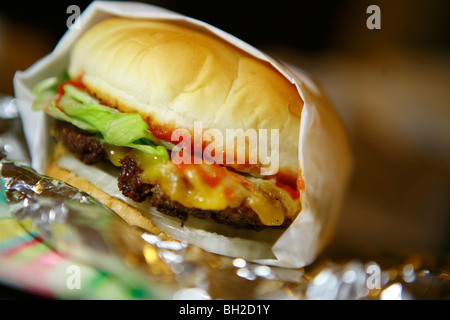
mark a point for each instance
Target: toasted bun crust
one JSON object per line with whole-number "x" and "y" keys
{"x": 173, "y": 76}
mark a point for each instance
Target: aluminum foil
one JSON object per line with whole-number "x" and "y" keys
{"x": 75, "y": 224}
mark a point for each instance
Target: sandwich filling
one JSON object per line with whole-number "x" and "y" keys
{"x": 95, "y": 132}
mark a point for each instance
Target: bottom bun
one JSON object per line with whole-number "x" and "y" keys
{"x": 131, "y": 215}
{"x": 100, "y": 181}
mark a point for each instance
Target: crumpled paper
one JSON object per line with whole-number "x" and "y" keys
{"x": 324, "y": 152}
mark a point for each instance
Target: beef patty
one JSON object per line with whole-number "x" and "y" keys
{"x": 89, "y": 150}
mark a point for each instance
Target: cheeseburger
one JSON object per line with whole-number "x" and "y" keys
{"x": 130, "y": 88}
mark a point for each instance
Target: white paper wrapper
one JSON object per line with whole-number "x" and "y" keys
{"x": 324, "y": 151}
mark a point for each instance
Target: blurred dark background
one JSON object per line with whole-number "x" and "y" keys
{"x": 392, "y": 87}
{"x": 30, "y": 29}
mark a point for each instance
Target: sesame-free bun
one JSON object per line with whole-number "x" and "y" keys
{"x": 172, "y": 76}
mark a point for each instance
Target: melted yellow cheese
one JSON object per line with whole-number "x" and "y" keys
{"x": 212, "y": 187}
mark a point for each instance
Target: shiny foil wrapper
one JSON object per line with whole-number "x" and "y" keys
{"x": 75, "y": 224}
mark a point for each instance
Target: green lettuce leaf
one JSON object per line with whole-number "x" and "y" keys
{"x": 85, "y": 112}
